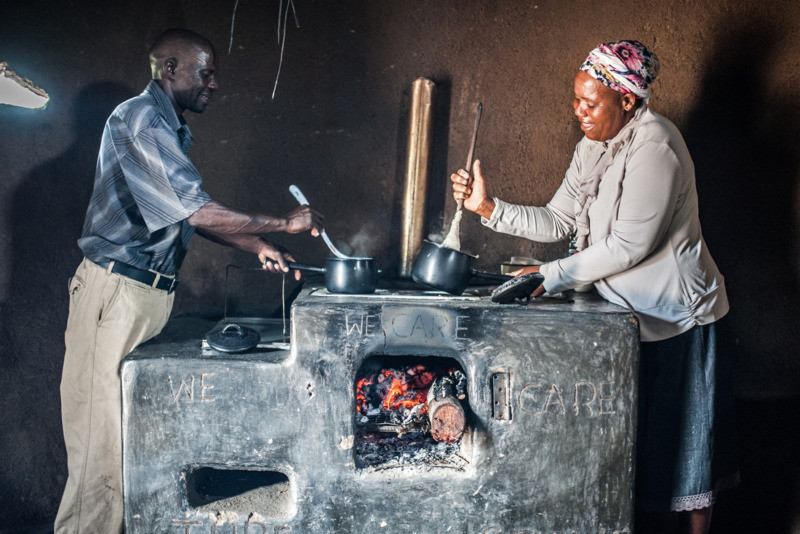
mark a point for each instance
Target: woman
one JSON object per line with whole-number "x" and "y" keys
{"x": 629, "y": 197}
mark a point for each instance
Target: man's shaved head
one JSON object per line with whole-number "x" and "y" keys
{"x": 184, "y": 65}
{"x": 174, "y": 43}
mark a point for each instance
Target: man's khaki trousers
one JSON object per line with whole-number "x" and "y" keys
{"x": 109, "y": 315}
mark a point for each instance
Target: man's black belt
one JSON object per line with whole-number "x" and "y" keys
{"x": 149, "y": 278}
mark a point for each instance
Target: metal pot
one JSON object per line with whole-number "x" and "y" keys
{"x": 447, "y": 269}
{"x": 357, "y": 276}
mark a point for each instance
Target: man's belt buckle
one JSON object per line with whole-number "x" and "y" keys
{"x": 173, "y": 283}
{"x": 164, "y": 283}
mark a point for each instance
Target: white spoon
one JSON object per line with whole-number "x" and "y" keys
{"x": 301, "y": 198}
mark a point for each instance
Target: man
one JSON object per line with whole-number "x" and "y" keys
{"x": 147, "y": 203}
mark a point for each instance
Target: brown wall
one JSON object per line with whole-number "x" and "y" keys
{"x": 336, "y": 128}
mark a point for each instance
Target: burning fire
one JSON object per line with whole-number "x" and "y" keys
{"x": 394, "y": 389}
{"x": 413, "y": 399}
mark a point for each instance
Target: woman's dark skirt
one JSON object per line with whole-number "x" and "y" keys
{"x": 686, "y": 444}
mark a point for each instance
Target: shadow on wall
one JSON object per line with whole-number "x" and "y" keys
{"x": 46, "y": 221}
{"x": 745, "y": 148}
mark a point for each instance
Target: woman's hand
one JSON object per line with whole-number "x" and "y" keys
{"x": 472, "y": 190}
{"x": 539, "y": 291}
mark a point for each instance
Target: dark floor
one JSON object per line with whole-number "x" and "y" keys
{"x": 768, "y": 498}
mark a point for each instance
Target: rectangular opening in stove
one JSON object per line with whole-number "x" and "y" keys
{"x": 412, "y": 412}
{"x": 240, "y": 491}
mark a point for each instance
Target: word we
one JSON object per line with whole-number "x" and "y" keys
{"x": 188, "y": 388}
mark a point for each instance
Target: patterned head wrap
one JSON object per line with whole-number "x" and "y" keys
{"x": 624, "y": 66}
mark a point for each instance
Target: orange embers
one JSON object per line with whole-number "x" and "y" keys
{"x": 394, "y": 389}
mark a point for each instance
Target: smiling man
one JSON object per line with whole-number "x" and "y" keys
{"x": 146, "y": 205}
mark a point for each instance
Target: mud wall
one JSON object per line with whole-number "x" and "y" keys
{"x": 336, "y": 128}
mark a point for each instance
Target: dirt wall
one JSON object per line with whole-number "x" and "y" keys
{"x": 336, "y": 127}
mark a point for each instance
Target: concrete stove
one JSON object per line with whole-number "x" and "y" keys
{"x": 269, "y": 441}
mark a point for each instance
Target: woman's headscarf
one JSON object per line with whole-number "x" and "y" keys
{"x": 624, "y": 66}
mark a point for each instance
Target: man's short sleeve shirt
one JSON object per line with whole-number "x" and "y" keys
{"x": 145, "y": 187}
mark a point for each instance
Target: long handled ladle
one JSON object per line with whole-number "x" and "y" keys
{"x": 301, "y": 198}
{"x": 453, "y": 239}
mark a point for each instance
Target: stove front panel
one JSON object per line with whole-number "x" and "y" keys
{"x": 551, "y": 392}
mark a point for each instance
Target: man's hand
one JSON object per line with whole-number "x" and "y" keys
{"x": 274, "y": 258}
{"x": 472, "y": 190}
{"x": 304, "y": 218}
{"x": 217, "y": 218}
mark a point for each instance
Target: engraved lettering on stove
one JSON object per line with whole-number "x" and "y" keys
{"x": 364, "y": 325}
{"x": 585, "y": 395}
{"x": 204, "y": 387}
{"x": 420, "y": 325}
{"x": 498, "y": 530}
{"x": 187, "y": 526}
{"x": 181, "y": 386}
{"x": 588, "y": 399}
{"x": 423, "y": 324}
{"x": 529, "y": 394}
{"x": 188, "y": 387}
{"x": 606, "y": 398}
{"x": 554, "y": 399}
{"x": 462, "y": 330}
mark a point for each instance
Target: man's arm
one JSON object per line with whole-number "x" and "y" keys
{"x": 218, "y": 218}
{"x": 265, "y": 250}
{"x": 242, "y": 230}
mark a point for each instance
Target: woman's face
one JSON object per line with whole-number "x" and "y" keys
{"x": 601, "y": 111}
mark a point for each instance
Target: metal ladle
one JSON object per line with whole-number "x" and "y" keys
{"x": 301, "y": 198}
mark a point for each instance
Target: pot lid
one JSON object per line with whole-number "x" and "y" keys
{"x": 517, "y": 289}
{"x": 233, "y": 338}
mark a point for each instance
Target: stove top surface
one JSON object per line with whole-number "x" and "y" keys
{"x": 474, "y": 294}
{"x": 274, "y": 332}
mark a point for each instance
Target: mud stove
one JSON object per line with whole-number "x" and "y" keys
{"x": 394, "y": 412}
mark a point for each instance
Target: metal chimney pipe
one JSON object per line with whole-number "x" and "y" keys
{"x": 420, "y": 140}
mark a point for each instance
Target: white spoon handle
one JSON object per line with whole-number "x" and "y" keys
{"x": 301, "y": 198}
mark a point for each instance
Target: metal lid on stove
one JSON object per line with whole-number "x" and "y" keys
{"x": 517, "y": 289}
{"x": 233, "y": 338}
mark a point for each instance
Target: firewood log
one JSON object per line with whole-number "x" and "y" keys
{"x": 445, "y": 411}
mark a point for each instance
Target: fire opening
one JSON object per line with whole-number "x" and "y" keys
{"x": 411, "y": 411}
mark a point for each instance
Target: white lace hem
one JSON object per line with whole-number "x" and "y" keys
{"x": 703, "y": 500}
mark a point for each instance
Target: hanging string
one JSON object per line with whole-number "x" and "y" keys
{"x": 282, "y": 14}
{"x": 283, "y": 304}
{"x": 233, "y": 19}
{"x": 282, "y": 35}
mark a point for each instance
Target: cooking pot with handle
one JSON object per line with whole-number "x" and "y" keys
{"x": 356, "y": 276}
{"x": 447, "y": 269}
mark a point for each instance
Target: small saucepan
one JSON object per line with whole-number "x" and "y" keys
{"x": 447, "y": 269}
{"x": 356, "y": 276}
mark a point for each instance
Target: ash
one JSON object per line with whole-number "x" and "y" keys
{"x": 414, "y": 450}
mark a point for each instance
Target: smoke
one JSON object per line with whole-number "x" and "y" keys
{"x": 364, "y": 243}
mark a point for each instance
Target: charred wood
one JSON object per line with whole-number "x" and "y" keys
{"x": 445, "y": 412}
